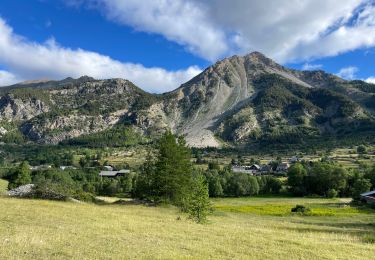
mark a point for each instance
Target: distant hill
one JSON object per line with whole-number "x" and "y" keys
{"x": 237, "y": 101}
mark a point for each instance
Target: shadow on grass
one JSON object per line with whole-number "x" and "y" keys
{"x": 361, "y": 228}
{"x": 125, "y": 202}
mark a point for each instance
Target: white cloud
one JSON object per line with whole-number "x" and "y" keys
{"x": 348, "y": 73}
{"x": 308, "y": 66}
{"x": 287, "y": 31}
{"x": 7, "y": 78}
{"x": 370, "y": 80}
{"x": 30, "y": 60}
{"x": 184, "y": 22}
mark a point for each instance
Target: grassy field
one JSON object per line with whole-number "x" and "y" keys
{"x": 347, "y": 157}
{"x": 3, "y": 186}
{"x": 35, "y": 229}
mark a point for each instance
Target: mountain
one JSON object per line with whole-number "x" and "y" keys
{"x": 237, "y": 101}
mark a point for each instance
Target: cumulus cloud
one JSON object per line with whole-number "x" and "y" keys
{"x": 308, "y": 66}
{"x": 348, "y": 73}
{"x": 370, "y": 80}
{"x": 7, "y": 78}
{"x": 289, "y": 31}
{"x": 184, "y": 22}
{"x": 30, "y": 60}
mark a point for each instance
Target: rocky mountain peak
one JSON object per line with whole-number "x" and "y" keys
{"x": 238, "y": 99}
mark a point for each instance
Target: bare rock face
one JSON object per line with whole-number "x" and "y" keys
{"x": 234, "y": 101}
{"x": 55, "y": 130}
{"x": 16, "y": 109}
{"x": 222, "y": 89}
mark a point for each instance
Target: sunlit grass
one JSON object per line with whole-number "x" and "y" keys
{"x": 36, "y": 229}
{"x": 282, "y": 206}
{"x": 3, "y": 186}
{"x": 285, "y": 210}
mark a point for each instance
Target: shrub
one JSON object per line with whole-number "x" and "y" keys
{"x": 360, "y": 186}
{"x": 48, "y": 192}
{"x": 301, "y": 209}
{"x": 361, "y": 149}
{"x": 332, "y": 193}
{"x": 21, "y": 176}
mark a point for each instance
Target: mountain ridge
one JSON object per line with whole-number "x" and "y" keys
{"x": 238, "y": 100}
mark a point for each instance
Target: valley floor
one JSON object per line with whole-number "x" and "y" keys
{"x": 250, "y": 228}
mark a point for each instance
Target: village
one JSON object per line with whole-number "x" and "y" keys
{"x": 277, "y": 167}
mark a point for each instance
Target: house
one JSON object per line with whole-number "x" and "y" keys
{"x": 40, "y": 167}
{"x": 249, "y": 169}
{"x": 282, "y": 167}
{"x": 108, "y": 168}
{"x": 67, "y": 168}
{"x": 255, "y": 167}
{"x": 369, "y": 197}
{"x": 294, "y": 159}
{"x": 112, "y": 174}
{"x": 265, "y": 168}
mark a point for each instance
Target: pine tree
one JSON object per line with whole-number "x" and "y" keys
{"x": 173, "y": 170}
{"x": 170, "y": 179}
{"x": 199, "y": 205}
{"x": 21, "y": 176}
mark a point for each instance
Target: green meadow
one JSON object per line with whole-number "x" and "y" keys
{"x": 240, "y": 228}
{"x": 3, "y": 186}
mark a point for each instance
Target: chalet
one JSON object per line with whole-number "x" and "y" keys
{"x": 113, "y": 174}
{"x": 369, "y": 197}
{"x": 282, "y": 167}
{"x": 255, "y": 167}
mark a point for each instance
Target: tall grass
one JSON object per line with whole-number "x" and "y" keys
{"x": 3, "y": 186}
{"x": 279, "y": 206}
{"x": 36, "y": 229}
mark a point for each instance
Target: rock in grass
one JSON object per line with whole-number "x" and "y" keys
{"x": 22, "y": 191}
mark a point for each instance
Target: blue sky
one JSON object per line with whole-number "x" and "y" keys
{"x": 160, "y": 44}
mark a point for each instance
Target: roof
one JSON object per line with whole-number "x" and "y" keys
{"x": 265, "y": 167}
{"x": 108, "y": 173}
{"x": 256, "y": 166}
{"x": 283, "y": 165}
{"x": 112, "y": 173}
{"x": 368, "y": 193}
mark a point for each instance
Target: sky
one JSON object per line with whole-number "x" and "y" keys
{"x": 160, "y": 44}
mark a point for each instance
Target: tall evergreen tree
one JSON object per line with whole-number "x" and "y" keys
{"x": 21, "y": 176}
{"x": 170, "y": 178}
{"x": 173, "y": 170}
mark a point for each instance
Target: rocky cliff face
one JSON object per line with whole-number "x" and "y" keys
{"x": 17, "y": 109}
{"x": 237, "y": 100}
{"x": 244, "y": 98}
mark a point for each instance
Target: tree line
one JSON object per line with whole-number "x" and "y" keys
{"x": 329, "y": 179}
{"x": 171, "y": 177}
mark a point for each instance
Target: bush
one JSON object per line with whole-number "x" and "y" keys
{"x": 47, "y": 192}
{"x": 360, "y": 186}
{"x": 332, "y": 193}
{"x": 301, "y": 209}
{"x": 361, "y": 149}
{"x": 21, "y": 176}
